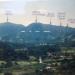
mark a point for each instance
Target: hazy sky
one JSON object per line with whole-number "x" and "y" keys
{"x": 21, "y": 10}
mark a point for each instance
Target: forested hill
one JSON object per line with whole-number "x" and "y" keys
{"x": 35, "y": 33}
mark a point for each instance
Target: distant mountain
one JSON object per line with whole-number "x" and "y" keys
{"x": 10, "y": 30}
{"x": 35, "y": 33}
{"x": 35, "y": 27}
{"x": 49, "y": 33}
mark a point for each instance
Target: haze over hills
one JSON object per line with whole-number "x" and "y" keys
{"x": 35, "y": 33}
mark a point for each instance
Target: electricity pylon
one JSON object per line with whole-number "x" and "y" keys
{"x": 8, "y": 13}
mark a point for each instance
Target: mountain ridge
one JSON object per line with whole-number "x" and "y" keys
{"x": 34, "y": 32}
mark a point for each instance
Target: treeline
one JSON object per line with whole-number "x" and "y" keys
{"x": 15, "y": 51}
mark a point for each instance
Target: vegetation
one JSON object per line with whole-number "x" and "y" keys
{"x": 13, "y": 61}
{"x": 20, "y": 51}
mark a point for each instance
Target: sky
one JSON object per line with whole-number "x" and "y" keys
{"x": 21, "y": 11}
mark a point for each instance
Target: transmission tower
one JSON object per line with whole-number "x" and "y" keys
{"x": 8, "y": 13}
